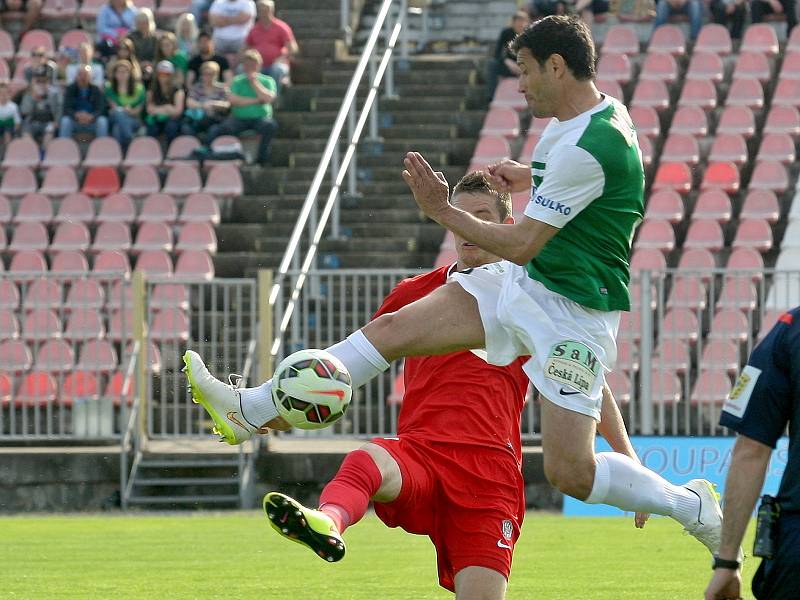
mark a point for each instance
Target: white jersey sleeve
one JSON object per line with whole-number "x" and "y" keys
{"x": 572, "y": 179}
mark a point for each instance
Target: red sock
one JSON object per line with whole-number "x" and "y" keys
{"x": 346, "y": 497}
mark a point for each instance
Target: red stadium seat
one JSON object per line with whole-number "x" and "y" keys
{"x": 120, "y": 296}
{"x": 98, "y": 355}
{"x": 154, "y": 262}
{"x": 200, "y": 208}
{"x": 117, "y": 208}
{"x": 183, "y": 180}
{"x": 707, "y": 66}
{"x": 170, "y": 324}
{"x": 769, "y": 175}
{"x": 721, "y": 176}
{"x": 60, "y": 10}
{"x": 657, "y": 235}
{"x": 103, "y": 152}
{"x": 761, "y": 204}
{"x": 714, "y": 38}
{"x": 630, "y": 326}
{"x": 6, "y": 389}
{"x": 29, "y": 236}
{"x": 672, "y": 355}
{"x": 100, "y": 182}
{"x": 84, "y": 324}
{"x": 158, "y": 208}
{"x": 777, "y": 146}
{"x": 538, "y": 126}
{"x": 687, "y": 293}
{"x": 660, "y": 66}
{"x": 698, "y": 92}
{"x": 9, "y": 295}
{"x": 153, "y": 236}
{"x": 621, "y": 39}
{"x": 646, "y": 121}
{"x": 768, "y": 320}
{"x": 712, "y": 387}
{"x": 665, "y": 388}
{"x": 691, "y": 120}
{"x": 787, "y": 93}
{"x": 34, "y": 208}
{"x": 33, "y": 39}
{"x": 790, "y": 67}
{"x": 501, "y": 120}
{"x": 169, "y": 295}
{"x": 54, "y": 356}
{"x": 527, "y": 148}
{"x": 62, "y": 152}
{"x": 70, "y": 236}
{"x": 635, "y": 290}
{"x": 705, "y": 234}
{"x": 738, "y": 293}
{"x": 43, "y": 293}
{"x": 673, "y": 176}
{"x": 141, "y": 181}
{"x": 79, "y": 384}
{"x": 664, "y": 205}
{"x": 737, "y": 120}
{"x": 755, "y": 234}
{"x": 697, "y": 259}
{"x": 90, "y": 9}
{"x": 197, "y": 236}
{"x": 627, "y": 355}
{"x": 681, "y": 147}
{"x": 181, "y": 148}
{"x": 752, "y": 65}
{"x": 730, "y": 324}
{"x": 18, "y": 181}
{"x": 114, "y": 389}
{"x": 6, "y": 45}
{"x": 143, "y": 152}
{"x": 489, "y": 149}
{"x": 646, "y": 147}
{"x": 112, "y": 236}
{"x": 75, "y": 208}
{"x": 37, "y": 388}
{"x": 668, "y": 38}
{"x": 15, "y": 356}
{"x": 507, "y": 94}
{"x": 40, "y": 325}
{"x": 25, "y": 263}
{"x": 746, "y": 259}
{"x": 194, "y": 264}
{"x": 70, "y": 263}
{"x": 648, "y": 258}
{"x": 651, "y": 94}
{"x": 783, "y": 119}
{"x": 113, "y": 263}
{"x": 611, "y": 88}
{"x": 85, "y": 294}
{"x": 728, "y": 147}
{"x": 9, "y": 326}
{"x": 746, "y": 92}
{"x": 680, "y": 324}
{"x": 615, "y": 67}
{"x": 73, "y": 39}
{"x": 620, "y": 385}
{"x": 226, "y": 180}
{"x": 21, "y": 152}
{"x": 760, "y": 38}
{"x": 5, "y": 210}
{"x": 120, "y": 325}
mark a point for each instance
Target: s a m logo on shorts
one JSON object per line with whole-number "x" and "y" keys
{"x": 574, "y": 365}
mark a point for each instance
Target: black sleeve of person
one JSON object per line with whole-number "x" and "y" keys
{"x": 760, "y": 404}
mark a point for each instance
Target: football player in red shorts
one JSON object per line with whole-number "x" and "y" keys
{"x": 453, "y": 472}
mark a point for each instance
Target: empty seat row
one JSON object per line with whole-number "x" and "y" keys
{"x": 668, "y": 205}
{"x": 41, "y": 389}
{"x": 769, "y": 175}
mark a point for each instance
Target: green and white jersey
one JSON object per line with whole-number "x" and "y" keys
{"x": 588, "y": 181}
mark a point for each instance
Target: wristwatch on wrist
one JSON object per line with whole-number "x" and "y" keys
{"x": 722, "y": 563}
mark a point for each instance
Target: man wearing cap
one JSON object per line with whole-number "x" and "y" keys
{"x": 251, "y": 96}
{"x": 84, "y": 107}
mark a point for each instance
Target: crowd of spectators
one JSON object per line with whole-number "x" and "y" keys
{"x": 219, "y": 73}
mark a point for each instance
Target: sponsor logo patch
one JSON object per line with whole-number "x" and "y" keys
{"x": 739, "y": 397}
{"x": 574, "y": 365}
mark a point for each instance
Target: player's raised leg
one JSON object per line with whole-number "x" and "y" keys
{"x": 367, "y": 473}
{"x": 480, "y": 583}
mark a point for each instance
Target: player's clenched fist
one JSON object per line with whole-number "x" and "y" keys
{"x": 510, "y": 176}
{"x": 430, "y": 188}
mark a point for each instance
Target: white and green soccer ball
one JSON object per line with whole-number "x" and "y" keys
{"x": 311, "y": 389}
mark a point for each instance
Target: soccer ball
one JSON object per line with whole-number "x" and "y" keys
{"x": 311, "y": 389}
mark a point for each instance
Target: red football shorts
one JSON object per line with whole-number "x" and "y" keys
{"x": 469, "y": 500}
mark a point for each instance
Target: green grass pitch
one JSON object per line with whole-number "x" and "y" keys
{"x": 237, "y": 555}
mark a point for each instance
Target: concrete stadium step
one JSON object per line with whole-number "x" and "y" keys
{"x": 324, "y": 18}
{"x": 368, "y": 189}
{"x": 306, "y": 174}
{"x": 366, "y": 203}
{"x": 453, "y": 76}
{"x": 247, "y": 264}
{"x": 307, "y": 5}
{"x": 306, "y": 159}
{"x": 421, "y": 62}
{"x": 451, "y": 103}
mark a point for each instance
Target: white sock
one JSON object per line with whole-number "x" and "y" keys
{"x": 361, "y": 358}
{"x": 622, "y": 482}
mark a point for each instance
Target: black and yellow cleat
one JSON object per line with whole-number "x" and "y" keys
{"x": 311, "y": 528}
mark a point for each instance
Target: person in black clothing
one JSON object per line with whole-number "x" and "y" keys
{"x": 84, "y": 107}
{"x": 760, "y": 8}
{"x": 764, "y": 400}
{"x": 207, "y": 52}
{"x": 733, "y": 11}
{"x": 503, "y": 62}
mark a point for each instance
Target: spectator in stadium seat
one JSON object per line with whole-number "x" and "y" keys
{"x": 127, "y": 52}
{"x": 86, "y": 57}
{"x": 31, "y": 8}
{"x": 84, "y": 107}
{"x": 207, "y": 102}
{"x": 39, "y": 60}
{"x": 126, "y": 97}
{"x": 10, "y": 118}
{"x": 186, "y": 32}
{"x": 543, "y": 8}
{"x": 732, "y": 12}
{"x": 168, "y": 51}
{"x": 274, "y": 40}
{"x": 114, "y": 21}
{"x": 592, "y": 10}
{"x": 145, "y": 41}
{"x": 231, "y": 20}
{"x": 40, "y": 108}
{"x": 693, "y": 8}
{"x": 504, "y": 63}
{"x": 251, "y": 96}
{"x": 165, "y": 103}
{"x": 206, "y": 52}
{"x": 760, "y": 8}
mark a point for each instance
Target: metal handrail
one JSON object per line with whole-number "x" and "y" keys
{"x": 291, "y": 255}
{"x": 126, "y": 480}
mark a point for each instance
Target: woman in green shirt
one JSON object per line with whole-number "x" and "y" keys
{"x": 126, "y": 97}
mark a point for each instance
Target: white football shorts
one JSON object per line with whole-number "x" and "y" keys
{"x": 571, "y": 346}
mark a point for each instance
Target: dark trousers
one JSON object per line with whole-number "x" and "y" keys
{"x": 266, "y": 128}
{"x": 736, "y": 18}
{"x": 171, "y": 128}
{"x": 758, "y": 9}
{"x": 777, "y": 578}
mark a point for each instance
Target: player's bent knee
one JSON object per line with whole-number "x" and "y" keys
{"x": 569, "y": 478}
{"x": 480, "y": 583}
{"x": 391, "y": 476}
